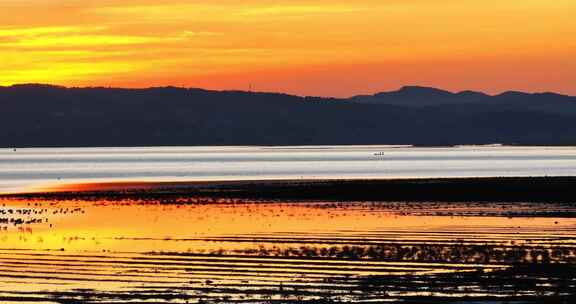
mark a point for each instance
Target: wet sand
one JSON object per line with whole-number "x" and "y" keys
{"x": 223, "y": 250}
{"x": 473, "y": 240}
{"x": 505, "y": 189}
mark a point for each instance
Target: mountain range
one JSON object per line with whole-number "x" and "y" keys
{"x": 36, "y": 115}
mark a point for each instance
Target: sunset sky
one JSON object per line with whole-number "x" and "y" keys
{"x": 313, "y": 47}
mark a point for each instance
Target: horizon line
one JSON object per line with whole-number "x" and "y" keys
{"x": 39, "y": 84}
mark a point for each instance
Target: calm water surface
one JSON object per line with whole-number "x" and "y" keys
{"x": 32, "y": 169}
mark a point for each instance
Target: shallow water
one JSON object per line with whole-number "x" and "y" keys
{"x": 35, "y": 169}
{"x": 232, "y": 251}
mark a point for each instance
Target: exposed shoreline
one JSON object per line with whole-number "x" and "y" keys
{"x": 500, "y": 189}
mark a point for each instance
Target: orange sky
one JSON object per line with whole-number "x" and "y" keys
{"x": 312, "y": 47}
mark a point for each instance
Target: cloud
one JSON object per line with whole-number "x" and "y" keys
{"x": 137, "y": 40}
{"x": 302, "y": 9}
{"x": 46, "y": 30}
{"x": 200, "y": 34}
{"x": 65, "y": 37}
{"x": 86, "y": 41}
{"x": 226, "y": 11}
{"x": 68, "y": 72}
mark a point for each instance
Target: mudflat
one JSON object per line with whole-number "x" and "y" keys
{"x": 296, "y": 241}
{"x": 488, "y": 189}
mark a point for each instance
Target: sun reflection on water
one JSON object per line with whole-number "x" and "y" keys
{"x": 224, "y": 249}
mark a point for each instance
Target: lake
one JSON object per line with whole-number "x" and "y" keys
{"x": 35, "y": 169}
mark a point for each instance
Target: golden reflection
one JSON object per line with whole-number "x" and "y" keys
{"x": 122, "y": 250}
{"x": 127, "y": 226}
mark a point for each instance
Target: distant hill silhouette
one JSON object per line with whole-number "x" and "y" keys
{"x": 422, "y": 96}
{"x": 42, "y": 115}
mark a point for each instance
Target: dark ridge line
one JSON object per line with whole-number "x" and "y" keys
{"x": 456, "y": 190}
{"x": 407, "y": 88}
{"x": 50, "y": 116}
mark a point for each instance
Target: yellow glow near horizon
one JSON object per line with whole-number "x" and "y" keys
{"x": 317, "y": 47}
